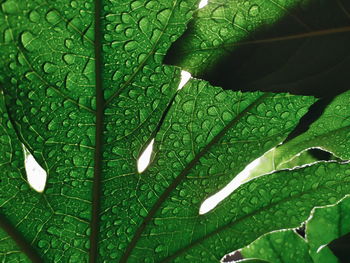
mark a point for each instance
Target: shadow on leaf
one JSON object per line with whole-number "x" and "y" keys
{"x": 307, "y": 56}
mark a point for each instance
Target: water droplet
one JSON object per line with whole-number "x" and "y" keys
{"x": 49, "y": 67}
{"x": 221, "y": 96}
{"x": 52, "y": 17}
{"x": 187, "y": 106}
{"x": 27, "y": 40}
{"x": 159, "y": 248}
{"x": 129, "y": 32}
{"x": 144, "y": 24}
{"x": 117, "y": 75}
{"x": 254, "y": 10}
{"x": 68, "y": 43}
{"x": 12, "y": 65}
{"x": 34, "y": 16}
{"x": 143, "y": 212}
{"x": 69, "y": 58}
{"x": 74, "y": 4}
{"x": 163, "y": 16}
{"x": 227, "y": 116}
{"x": 126, "y": 18}
{"x": 130, "y": 45}
{"x": 7, "y": 35}
{"x": 10, "y": 7}
{"x": 42, "y": 243}
{"x": 240, "y": 20}
{"x": 212, "y": 111}
{"x": 224, "y": 31}
{"x": 52, "y": 125}
{"x": 251, "y": 119}
{"x": 285, "y": 115}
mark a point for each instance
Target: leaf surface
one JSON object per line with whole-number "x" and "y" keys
{"x": 85, "y": 94}
{"x": 85, "y": 91}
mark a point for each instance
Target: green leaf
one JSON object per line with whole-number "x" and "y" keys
{"x": 85, "y": 127}
{"x": 331, "y": 132}
{"x": 325, "y": 225}
{"x": 224, "y": 129}
{"x": 85, "y": 91}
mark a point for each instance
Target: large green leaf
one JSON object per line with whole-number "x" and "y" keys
{"x": 325, "y": 225}
{"x": 69, "y": 78}
{"x": 85, "y": 91}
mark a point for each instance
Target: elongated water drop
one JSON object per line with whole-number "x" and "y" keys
{"x": 27, "y": 39}
{"x": 36, "y": 175}
{"x": 145, "y": 158}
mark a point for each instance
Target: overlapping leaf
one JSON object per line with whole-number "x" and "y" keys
{"x": 325, "y": 225}
{"x": 297, "y": 46}
{"x": 331, "y": 132}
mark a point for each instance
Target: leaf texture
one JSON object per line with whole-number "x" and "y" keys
{"x": 53, "y": 88}
{"x": 85, "y": 91}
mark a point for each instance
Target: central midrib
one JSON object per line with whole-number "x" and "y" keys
{"x": 101, "y": 104}
{"x": 96, "y": 192}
